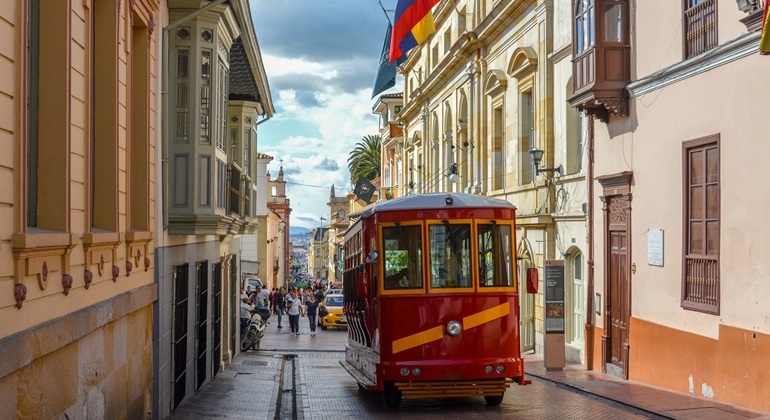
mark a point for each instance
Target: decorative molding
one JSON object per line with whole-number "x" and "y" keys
{"x": 523, "y": 62}
{"x": 88, "y": 277}
{"x": 20, "y": 294}
{"x": 146, "y": 264}
{"x": 129, "y": 267}
{"x": 41, "y": 256}
{"x": 66, "y": 282}
{"x": 744, "y": 46}
{"x": 115, "y": 273}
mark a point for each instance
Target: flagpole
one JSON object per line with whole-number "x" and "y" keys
{"x": 384, "y": 11}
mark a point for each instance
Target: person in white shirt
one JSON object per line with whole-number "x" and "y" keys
{"x": 293, "y": 304}
{"x": 246, "y": 310}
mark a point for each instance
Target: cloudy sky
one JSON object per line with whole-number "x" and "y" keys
{"x": 321, "y": 58}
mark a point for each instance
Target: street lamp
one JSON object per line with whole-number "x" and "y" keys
{"x": 536, "y": 155}
{"x": 453, "y": 175}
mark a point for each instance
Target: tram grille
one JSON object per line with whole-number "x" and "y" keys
{"x": 442, "y": 389}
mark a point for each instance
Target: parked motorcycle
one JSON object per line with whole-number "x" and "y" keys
{"x": 251, "y": 336}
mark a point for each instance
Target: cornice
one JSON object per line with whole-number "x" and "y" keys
{"x": 736, "y": 49}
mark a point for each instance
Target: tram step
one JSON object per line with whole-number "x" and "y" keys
{"x": 357, "y": 375}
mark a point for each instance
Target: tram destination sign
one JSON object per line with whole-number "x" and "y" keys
{"x": 554, "y": 296}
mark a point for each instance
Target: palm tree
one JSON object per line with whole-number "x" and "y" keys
{"x": 364, "y": 160}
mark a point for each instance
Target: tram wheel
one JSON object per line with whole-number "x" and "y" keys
{"x": 494, "y": 400}
{"x": 392, "y": 395}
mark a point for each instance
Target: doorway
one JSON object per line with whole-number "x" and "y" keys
{"x": 617, "y": 287}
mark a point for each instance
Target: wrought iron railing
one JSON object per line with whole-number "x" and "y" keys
{"x": 700, "y": 25}
{"x": 701, "y": 288}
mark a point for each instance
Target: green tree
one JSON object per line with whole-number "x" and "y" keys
{"x": 364, "y": 160}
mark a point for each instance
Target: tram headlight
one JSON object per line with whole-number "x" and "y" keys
{"x": 489, "y": 369}
{"x": 404, "y": 371}
{"x": 416, "y": 371}
{"x": 500, "y": 368}
{"x": 453, "y": 328}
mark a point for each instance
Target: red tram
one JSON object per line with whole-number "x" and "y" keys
{"x": 431, "y": 298}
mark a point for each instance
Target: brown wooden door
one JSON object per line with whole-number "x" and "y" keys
{"x": 619, "y": 305}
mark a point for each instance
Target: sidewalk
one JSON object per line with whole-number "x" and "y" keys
{"x": 654, "y": 400}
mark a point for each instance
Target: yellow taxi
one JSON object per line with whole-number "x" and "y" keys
{"x": 335, "y": 318}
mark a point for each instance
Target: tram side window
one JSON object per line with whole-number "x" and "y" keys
{"x": 495, "y": 255}
{"x": 403, "y": 257}
{"x": 450, "y": 255}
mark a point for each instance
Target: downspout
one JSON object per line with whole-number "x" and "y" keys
{"x": 164, "y": 120}
{"x": 590, "y": 322}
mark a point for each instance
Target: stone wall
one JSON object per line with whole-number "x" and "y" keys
{"x": 93, "y": 363}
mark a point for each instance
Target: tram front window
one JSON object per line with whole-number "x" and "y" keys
{"x": 403, "y": 257}
{"x": 495, "y": 255}
{"x": 450, "y": 255}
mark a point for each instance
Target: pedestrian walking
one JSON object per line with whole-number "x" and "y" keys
{"x": 312, "y": 313}
{"x": 293, "y": 304}
{"x": 281, "y": 305}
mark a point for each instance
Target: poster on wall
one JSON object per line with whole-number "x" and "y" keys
{"x": 554, "y": 296}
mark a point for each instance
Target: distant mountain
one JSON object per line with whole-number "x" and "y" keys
{"x": 298, "y": 230}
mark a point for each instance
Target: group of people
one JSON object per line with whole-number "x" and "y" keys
{"x": 295, "y": 303}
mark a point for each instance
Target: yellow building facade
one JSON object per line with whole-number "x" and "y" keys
{"x": 78, "y": 130}
{"x": 480, "y": 94}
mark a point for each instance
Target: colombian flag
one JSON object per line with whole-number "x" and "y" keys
{"x": 413, "y": 24}
{"x": 764, "y": 43}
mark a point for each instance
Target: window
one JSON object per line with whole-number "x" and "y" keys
{"x": 700, "y": 285}
{"x": 574, "y": 136}
{"x": 140, "y": 127}
{"x": 232, "y": 155}
{"x": 450, "y": 255}
{"x": 246, "y": 151}
{"x": 498, "y": 168}
{"x": 584, "y": 25}
{"x": 33, "y": 90}
{"x": 402, "y": 247}
{"x": 205, "y": 96}
{"x": 527, "y": 135}
{"x": 182, "y": 94}
{"x": 221, "y": 184}
{"x": 495, "y": 256}
{"x": 700, "y": 27}
{"x": 613, "y": 21}
{"x": 104, "y": 113}
{"x": 222, "y": 96}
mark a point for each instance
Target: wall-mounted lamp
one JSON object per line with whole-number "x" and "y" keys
{"x": 747, "y": 6}
{"x": 466, "y": 145}
{"x": 453, "y": 175}
{"x": 536, "y": 155}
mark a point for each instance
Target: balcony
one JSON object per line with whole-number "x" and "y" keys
{"x": 233, "y": 216}
{"x": 601, "y": 68}
{"x": 700, "y": 25}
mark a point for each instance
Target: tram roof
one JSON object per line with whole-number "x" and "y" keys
{"x": 437, "y": 201}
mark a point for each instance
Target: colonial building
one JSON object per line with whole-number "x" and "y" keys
{"x": 679, "y": 284}
{"x": 79, "y": 130}
{"x": 277, "y": 229}
{"x": 339, "y": 210}
{"x": 482, "y": 95}
{"x": 392, "y": 140}
{"x": 217, "y": 95}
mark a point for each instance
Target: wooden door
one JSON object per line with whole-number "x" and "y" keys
{"x": 619, "y": 296}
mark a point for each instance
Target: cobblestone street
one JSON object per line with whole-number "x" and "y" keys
{"x": 250, "y": 389}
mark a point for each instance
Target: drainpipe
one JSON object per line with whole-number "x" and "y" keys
{"x": 590, "y": 322}
{"x": 164, "y": 120}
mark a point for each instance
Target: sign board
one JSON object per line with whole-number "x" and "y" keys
{"x": 554, "y": 296}
{"x": 655, "y": 247}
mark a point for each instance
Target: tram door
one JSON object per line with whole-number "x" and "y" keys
{"x": 526, "y": 307}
